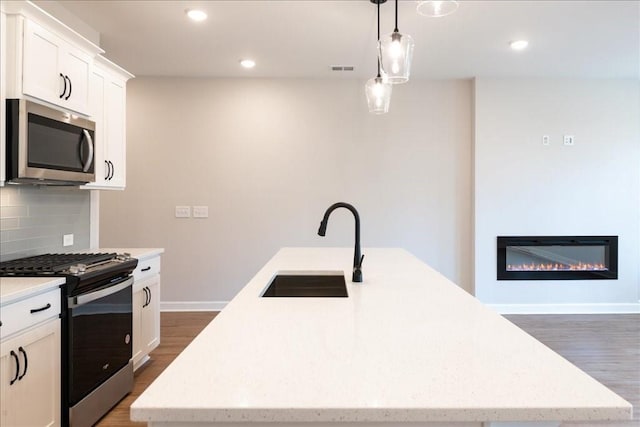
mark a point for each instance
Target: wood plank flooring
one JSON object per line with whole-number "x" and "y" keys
{"x": 605, "y": 346}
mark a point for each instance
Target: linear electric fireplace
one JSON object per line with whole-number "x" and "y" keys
{"x": 557, "y": 257}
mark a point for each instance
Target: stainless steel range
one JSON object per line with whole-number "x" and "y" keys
{"x": 97, "y": 369}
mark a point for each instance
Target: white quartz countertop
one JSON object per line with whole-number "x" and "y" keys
{"x": 407, "y": 345}
{"x": 14, "y": 289}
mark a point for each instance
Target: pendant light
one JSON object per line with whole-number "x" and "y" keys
{"x": 378, "y": 89}
{"x": 395, "y": 52}
{"x": 436, "y": 8}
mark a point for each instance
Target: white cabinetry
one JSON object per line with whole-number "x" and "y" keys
{"x": 54, "y": 70}
{"x": 30, "y": 362}
{"x": 146, "y": 309}
{"x": 3, "y": 93}
{"x": 107, "y": 97}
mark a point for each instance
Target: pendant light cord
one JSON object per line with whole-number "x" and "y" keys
{"x": 396, "y": 29}
{"x": 378, "y": 57}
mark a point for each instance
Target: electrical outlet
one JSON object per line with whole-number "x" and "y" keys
{"x": 569, "y": 139}
{"x": 183, "y": 211}
{"x": 201, "y": 211}
{"x": 545, "y": 139}
{"x": 67, "y": 240}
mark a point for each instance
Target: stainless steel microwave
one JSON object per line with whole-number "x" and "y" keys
{"x": 48, "y": 146}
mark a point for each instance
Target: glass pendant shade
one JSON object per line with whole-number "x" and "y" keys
{"x": 378, "y": 95}
{"x": 436, "y": 9}
{"x": 395, "y": 52}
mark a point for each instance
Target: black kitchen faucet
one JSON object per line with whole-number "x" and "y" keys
{"x": 357, "y": 256}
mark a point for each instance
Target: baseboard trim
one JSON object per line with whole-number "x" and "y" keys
{"x": 192, "y": 305}
{"x": 627, "y": 308}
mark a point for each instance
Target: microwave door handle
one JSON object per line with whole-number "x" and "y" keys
{"x": 90, "y": 143}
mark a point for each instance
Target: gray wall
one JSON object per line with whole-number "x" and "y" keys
{"x": 268, "y": 156}
{"x": 34, "y": 219}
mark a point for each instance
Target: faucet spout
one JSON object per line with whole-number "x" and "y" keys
{"x": 357, "y": 252}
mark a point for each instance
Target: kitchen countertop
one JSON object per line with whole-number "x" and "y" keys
{"x": 407, "y": 345}
{"x": 13, "y": 289}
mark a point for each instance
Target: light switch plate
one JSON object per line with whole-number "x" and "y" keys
{"x": 67, "y": 240}
{"x": 183, "y": 211}
{"x": 201, "y": 211}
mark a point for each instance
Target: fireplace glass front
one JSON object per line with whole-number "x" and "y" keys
{"x": 557, "y": 257}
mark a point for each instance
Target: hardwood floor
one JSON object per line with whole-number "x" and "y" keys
{"x": 605, "y": 346}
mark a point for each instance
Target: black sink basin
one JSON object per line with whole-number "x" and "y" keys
{"x": 307, "y": 284}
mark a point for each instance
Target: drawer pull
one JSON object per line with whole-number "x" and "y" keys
{"x": 26, "y": 363}
{"x": 36, "y": 310}
{"x": 146, "y": 268}
{"x": 15, "y": 356}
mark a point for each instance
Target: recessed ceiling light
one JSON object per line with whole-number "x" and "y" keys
{"x": 519, "y": 44}
{"x": 248, "y": 63}
{"x": 196, "y": 15}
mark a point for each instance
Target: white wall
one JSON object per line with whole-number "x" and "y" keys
{"x": 525, "y": 188}
{"x": 269, "y": 156}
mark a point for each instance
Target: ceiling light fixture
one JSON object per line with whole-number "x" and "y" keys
{"x": 519, "y": 44}
{"x": 436, "y": 9}
{"x": 378, "y": 89}
{"x": 196, "y": 15}
{"x": 248, "y": 63}
{"x": 395, "y": 51}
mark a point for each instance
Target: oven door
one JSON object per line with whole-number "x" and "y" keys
{"x": 100, "y": 325}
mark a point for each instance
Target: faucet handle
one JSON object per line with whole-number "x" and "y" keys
{"x": 360, "y": 263}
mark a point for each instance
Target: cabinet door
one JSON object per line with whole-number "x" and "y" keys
{"x": 40, "y": 68}
{"x": 151, "y": 315}
{"x": 139, "y": 300}
{"x": 116, "y": 133}
{"x": 76, "y": 66}
{"x": 34, "y": 399}
{"x": 96, "y": 107}
{"x": 3, "y": 94}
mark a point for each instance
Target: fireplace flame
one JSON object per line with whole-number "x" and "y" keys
{"x": 557, "y": 267}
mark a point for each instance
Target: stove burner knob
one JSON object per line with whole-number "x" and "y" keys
{"x": 77, "y": 269}
{"x": 123, "y": 257}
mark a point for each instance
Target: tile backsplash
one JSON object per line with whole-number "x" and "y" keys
{"x": 33, "y": 220}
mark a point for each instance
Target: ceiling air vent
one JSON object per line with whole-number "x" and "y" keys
{"x": 342, "y": 68}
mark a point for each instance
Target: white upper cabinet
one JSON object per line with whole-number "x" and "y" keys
{"x": 108, "y": 98}
{"x": 47, "y": 60}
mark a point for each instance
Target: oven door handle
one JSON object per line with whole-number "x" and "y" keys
{"x": 83, "y": 299}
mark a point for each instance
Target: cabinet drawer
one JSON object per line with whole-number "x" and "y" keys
{"x": 28, "y": 312}
{"x": 146, "y": 268}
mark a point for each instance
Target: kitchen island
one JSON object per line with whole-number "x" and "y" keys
{"x": 406, "y": 346}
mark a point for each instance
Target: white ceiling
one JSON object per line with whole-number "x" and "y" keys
{"x": 302, "y": 38}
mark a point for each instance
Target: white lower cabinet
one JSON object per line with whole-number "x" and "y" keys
{"x": 146, "y": 310}
{"x": 30, "y": 376}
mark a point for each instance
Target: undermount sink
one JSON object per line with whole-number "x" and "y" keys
{"x": 307, "y": 284}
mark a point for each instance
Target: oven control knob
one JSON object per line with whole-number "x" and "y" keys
{"x": 127, "y": 339}
{"x": 74, "y": 269}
